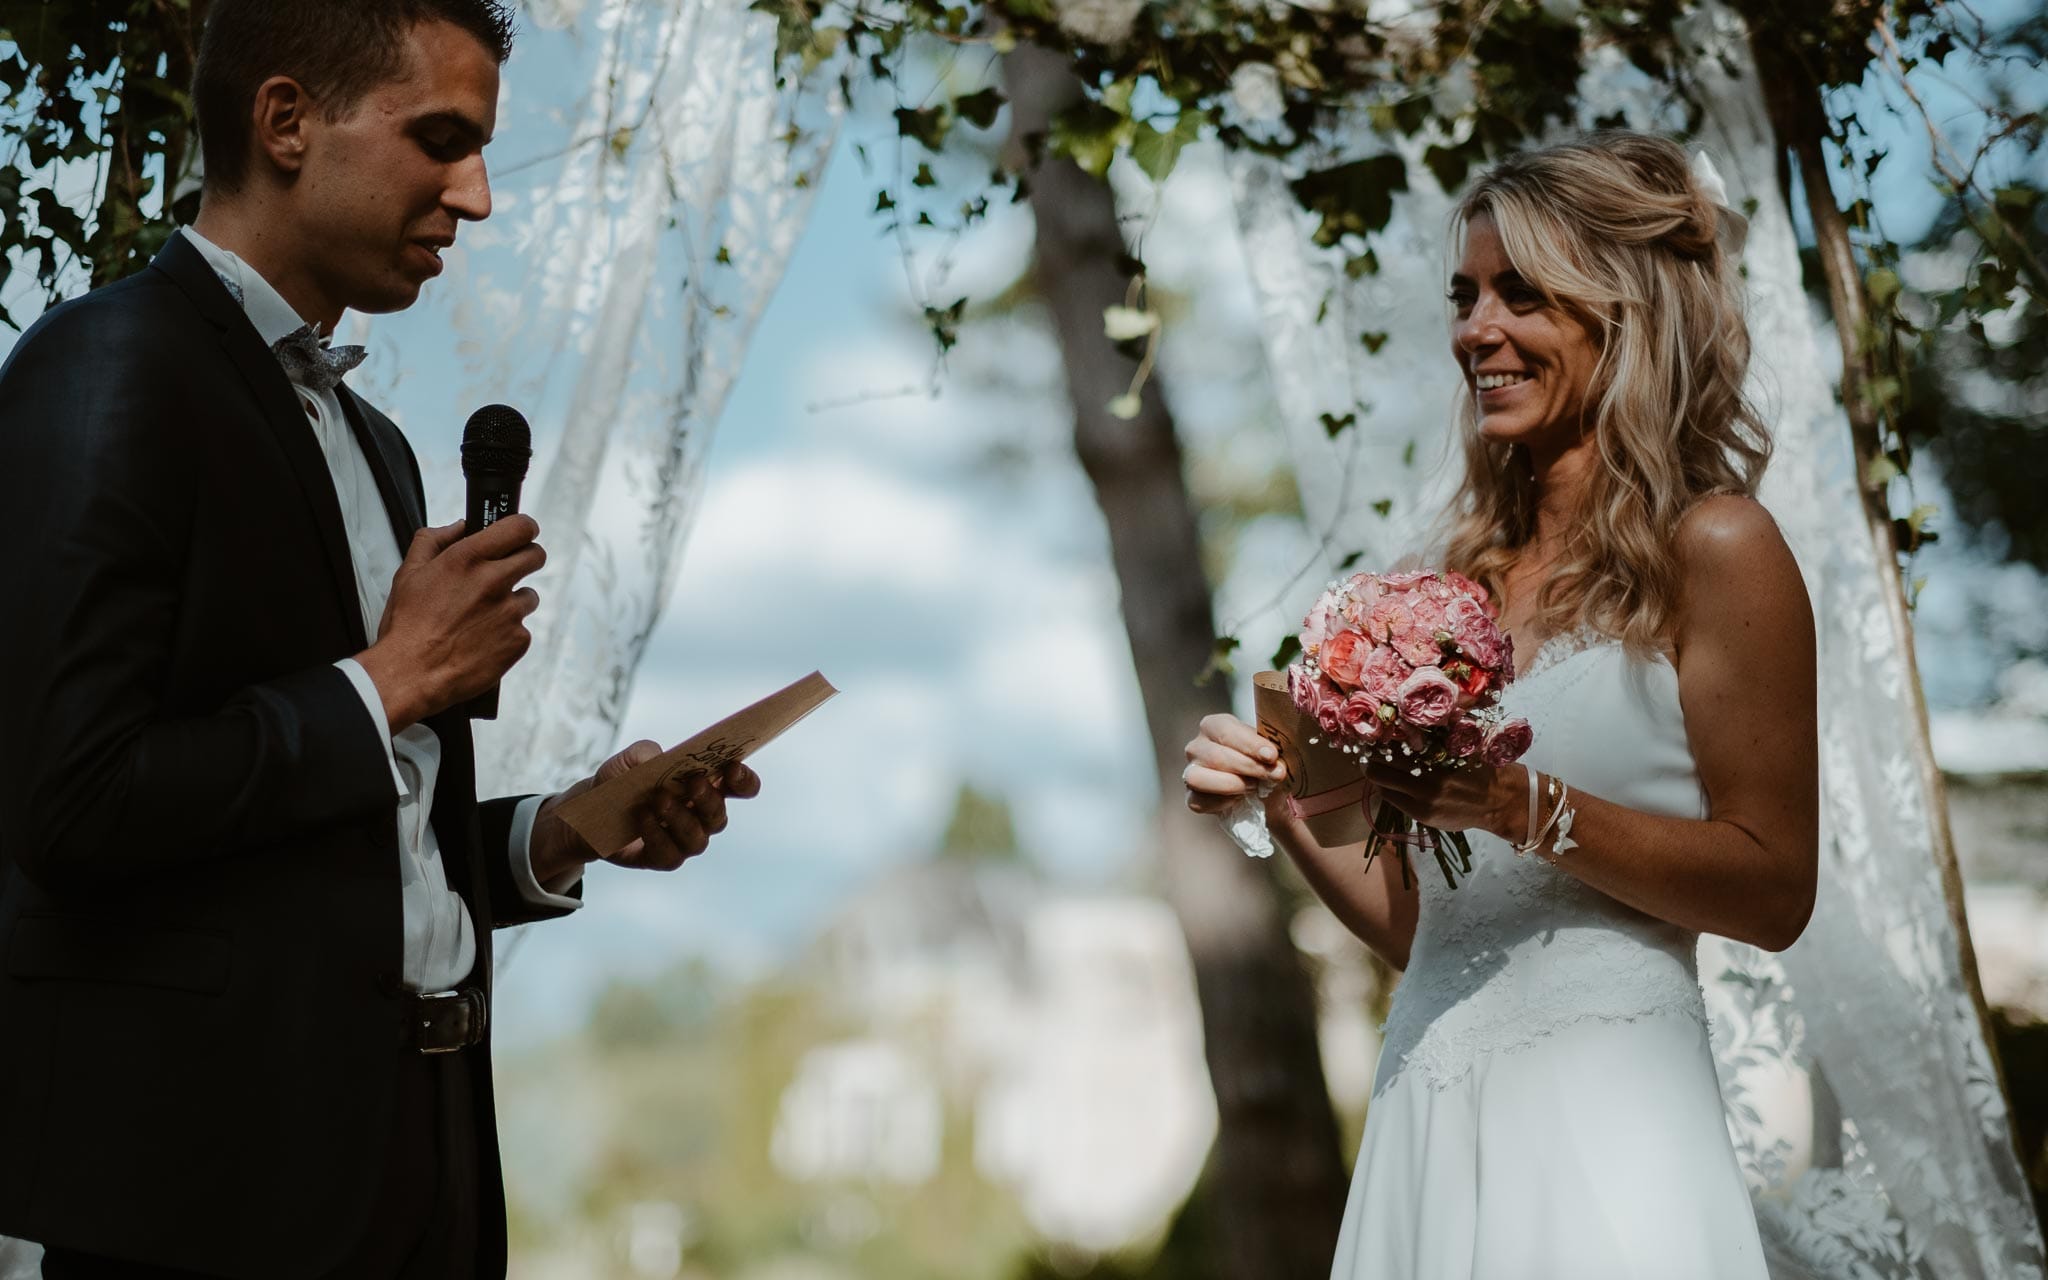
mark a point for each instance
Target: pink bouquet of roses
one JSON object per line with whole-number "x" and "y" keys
{"x": 1407, "y": 668}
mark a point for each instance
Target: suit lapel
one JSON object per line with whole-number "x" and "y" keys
{"x": 280, "y": 405}
{"x": 401, "y": 505}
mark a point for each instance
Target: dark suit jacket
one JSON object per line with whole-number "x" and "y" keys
{"x": 200, "y": 1014}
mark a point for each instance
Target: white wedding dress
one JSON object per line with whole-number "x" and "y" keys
{"x": 1546, "y": 1106}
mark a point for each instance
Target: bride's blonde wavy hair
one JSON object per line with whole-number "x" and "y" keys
{"x": 1614, "y": 229}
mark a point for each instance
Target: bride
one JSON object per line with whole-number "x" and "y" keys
{"x": 1546, "y": 1106}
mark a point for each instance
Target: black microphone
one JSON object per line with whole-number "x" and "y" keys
{"x": 497, "y": 445}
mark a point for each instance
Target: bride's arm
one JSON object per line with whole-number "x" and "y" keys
{"x": 1371, "y": 901}
{"x": 1228, "y": 760}
{"x": 1747, "y": 683}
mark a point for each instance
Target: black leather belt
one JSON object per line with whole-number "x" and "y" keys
{"x": 444, "y": 1021}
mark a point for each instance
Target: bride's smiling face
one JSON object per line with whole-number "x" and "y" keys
{"x": 1527, "y": 363}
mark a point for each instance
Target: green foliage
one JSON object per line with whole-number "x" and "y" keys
{"x": 1354, "y": 199}
{"x": 686, "y": 1114}
{"x": 1464, "y": 81}
{"x": 96, "y": 83}
{"x": 980, "y": 829}
{"x": 1974, "y": 392}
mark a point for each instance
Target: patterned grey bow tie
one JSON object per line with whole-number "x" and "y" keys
{"x": 307, "y": 359}
{"x": 311, "y": 363}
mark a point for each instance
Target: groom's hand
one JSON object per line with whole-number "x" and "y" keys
{"x": 675, "y": 826}
{"x": 456, "y": 619}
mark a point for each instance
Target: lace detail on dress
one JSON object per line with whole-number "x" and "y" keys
{"x": 1444, "y": 1061}
{"x": 1523, "y": 949}
{"x": 1565, "y": 644}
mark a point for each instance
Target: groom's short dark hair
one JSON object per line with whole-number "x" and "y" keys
{"x": 338, "y": 50}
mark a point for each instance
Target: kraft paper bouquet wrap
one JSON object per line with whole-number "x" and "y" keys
{"x": 1400, "y": 668}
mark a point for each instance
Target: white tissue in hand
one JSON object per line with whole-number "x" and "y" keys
{"x": 1246, "y": 823}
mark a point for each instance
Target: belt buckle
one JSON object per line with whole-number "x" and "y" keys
{"x": 471, "y": 1025}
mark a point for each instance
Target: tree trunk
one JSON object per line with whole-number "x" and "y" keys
{"x": 1277, "y": 1181}
{"x": 1793, "y": 99}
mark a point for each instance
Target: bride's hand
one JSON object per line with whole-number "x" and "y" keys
{"x": 1227, "y": 760}
{"x": 1486, "y": 799}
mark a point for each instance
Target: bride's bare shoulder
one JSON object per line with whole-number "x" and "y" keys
{"x": 1739, "y": 572}
{"x": 1725, "y": 525}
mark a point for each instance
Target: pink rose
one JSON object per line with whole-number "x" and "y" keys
{"x": 1419, "y": 645}
{"x": 1317, "y": 626}
{"x": 1342, "y": 657}
{"x": 1311, "y": 693}
{"x": 1301, "y": 689}
{"x": 1475, "y": 633}
{"x": 1390, "y": 617}
{"x": 1405, "y": 579}
{"x": 1466, "y": 737}
{"x": 1383, "y": 673}
{"x": 1360, "y": 715}
{"x": 1430, "y": 614}
{"x": 1365, "y": 589}
{"x": 1468, "y": 587}
{"x": 1429, "y": 697}
{"x": 1505, "y": 743}
{"x": 1330, "y": 717}
{"x": 1437, "y": 588}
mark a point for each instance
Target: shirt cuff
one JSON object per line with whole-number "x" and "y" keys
{"x": 520, "y": 851}
{"x": 373, "y": 702}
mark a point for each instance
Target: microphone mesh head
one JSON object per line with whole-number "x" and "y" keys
{"x": 496, "y": 440}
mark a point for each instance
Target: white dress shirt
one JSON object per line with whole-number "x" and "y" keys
{"x": 440, "y": 937}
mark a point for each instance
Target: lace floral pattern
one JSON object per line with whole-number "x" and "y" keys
{"x": 613, "y": 297}
{"x": 1522, "y": 949}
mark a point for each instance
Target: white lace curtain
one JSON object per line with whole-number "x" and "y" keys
{"x": 1860, "y": 1091}
{"x": 651, "y": 182}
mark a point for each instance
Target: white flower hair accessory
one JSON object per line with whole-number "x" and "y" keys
{"x": 1731, "y": 228}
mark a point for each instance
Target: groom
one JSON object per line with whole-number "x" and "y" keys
{"x": 246, "y": 887}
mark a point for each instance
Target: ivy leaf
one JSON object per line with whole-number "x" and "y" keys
{"x": 1352, "y": 559}
{"x": 925, "y": 125}
{"x": 1157, "y": 150}
{"x": 1361, "y": 265}
{"x": 884, "y": 202}
{"x": 1090, "y": 137}
{"x": 1289, "y": 650}
{"x": 1352, "y": 199}
{"x": 1383, "y": 508}
{"x": 944, "y": 323}
{"x": 1334, "y": 426}
{"x": 1448, "y": 165}
{"x": 1373, "y": 342}
{"x": 1219, "y": 660}
{"x": 792, "y": 24}
{"x": 924, "y": 177}
{"x": 980, "y": 107}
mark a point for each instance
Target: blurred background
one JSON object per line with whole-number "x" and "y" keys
{"x": 952, "y": 999}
